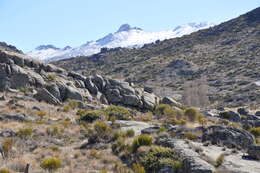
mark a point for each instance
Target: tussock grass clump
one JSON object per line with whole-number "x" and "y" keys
{"x": 51, "y": 164}
{"x": 7, "y": 146}
{"x": 73, "y": 104}
{"x": 142, "y": 140}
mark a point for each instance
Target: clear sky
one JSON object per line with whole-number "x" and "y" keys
{"x": 29, "y": 23}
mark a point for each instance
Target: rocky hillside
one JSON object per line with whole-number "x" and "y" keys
{"x": 226, "y": 56}
{"x": 55, "y": 85}
{"x": 53, "y": 120}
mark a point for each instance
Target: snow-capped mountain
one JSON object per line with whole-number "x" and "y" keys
{"x": 126, "y": 36}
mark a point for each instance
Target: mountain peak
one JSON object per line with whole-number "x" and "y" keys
{"x": 127, "y": 27}
{"x": 45, "y": 47}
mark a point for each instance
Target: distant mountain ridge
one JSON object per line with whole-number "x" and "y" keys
{"x": 125, "y": 36}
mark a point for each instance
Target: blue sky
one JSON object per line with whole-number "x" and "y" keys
{"x": 29, "y": 23}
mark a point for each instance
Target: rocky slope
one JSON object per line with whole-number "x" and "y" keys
{"x": 55, "y": 85}
{"x": 225, "y": 56}
{"x": 56, "y": 120}
{"x": 125, "y": 36}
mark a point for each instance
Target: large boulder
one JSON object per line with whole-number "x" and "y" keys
{"x": 254, "y": 151}
{"x": 229, "y": 136}
{"x": 149, "y": 100}
{"x": 54, "y": 90}
{"x": 170, "y": 101}
{"x": 92, "y": 88}
{"x": 230, "y": 115}
{"x": 74, "y": 94}
{"x": 44, "y": 95}
{"x": 132, "y": 100}
{"x": 77, "y": 76}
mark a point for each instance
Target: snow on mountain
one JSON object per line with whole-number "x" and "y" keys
{"x": 126, "y": 36}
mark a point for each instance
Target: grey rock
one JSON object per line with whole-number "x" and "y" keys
{"x": 113, "y": 96}
{"x": 242, "y": 111}
{"x": 91, "y": 86}
{"x": 72, "y": 93}
{"x": 54, "y": 90}
{"x": 99, "y": 81}
{"x": 148, "y": 89}
{"x": 36, "y": 108}
{"x": 254, "y": 151}
{"x": 80, "y": 84}
{"x": 230, "y": 115}
{"x": 77, "y": 76}
{"x": 16, "y": 117}
{"x": 149, "y": 101}
{"x": 257, "y": 113}
{"x": 170, "y": 101}
{"x": 131, "y": 100}
{"x": 167, "y": 169}
{"x": 44, "y": 95}
{"x": 7, "y": 133}
{"x": 229, "y": 136}
{"x": 151, "y": 130}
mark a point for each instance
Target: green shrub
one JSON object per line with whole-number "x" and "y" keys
{"x": 119, "y": 112}
{"x": 119, "y": 145}
{"x": 90, "y": 116}
{"x": 24, "y": 133}
{"x": 51, "y": 77}
{"x": 51, "y": 164}
{"x": 220, "y": 160}
{"x": 255, "y": 131}
{"x": 191, "y": 114}
{"x": 5, "y": 170}
{"x": 66, "y": 108}
{"x": 73, "y": 104}
{"x": 142, "y": 140}
{"x": 190, "y": 136}
{"x": 41, "y": 114}
{"x": 166, "y": 111}
{"x": 137, "y": 168}
{"x": 101, "y": 127}
{"x": 130, "y": 133}
{"x": 158, "y": 157}
{"x": 23, "y": 90}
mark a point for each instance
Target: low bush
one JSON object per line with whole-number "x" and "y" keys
{"x": 51, "y": 164}
{"x": 191, "y": 114}
{"x": 130, "y": 133}
{"x": 158, "y": 157}
{"x": 255, "y": 131}
{"x": 5, "y": 170}
{"x": 41, "y": 114}
{"x": 24, "y": 133}
{"x": 90, "y": 116}
{"x": 142, "y": 140}
{"x": 190, "y": 136}
{"x": 119, "y": 112}
{"x": 137, "y": 168}
{"x": 73, "y": 104}
{"x": 51, "y": 77}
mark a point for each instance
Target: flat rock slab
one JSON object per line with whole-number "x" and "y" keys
{"x": 137, "y": 126}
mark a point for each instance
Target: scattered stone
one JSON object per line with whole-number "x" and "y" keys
{"x": 230, "y": 115}
{"x": 7, "y": 133}
{"x": 254, "y": 151}
{"x": 16, "y": 117}
{"x": 170, "y": 101}
{"x": 228, "y": 136}
{"x": 242, "y": 111}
